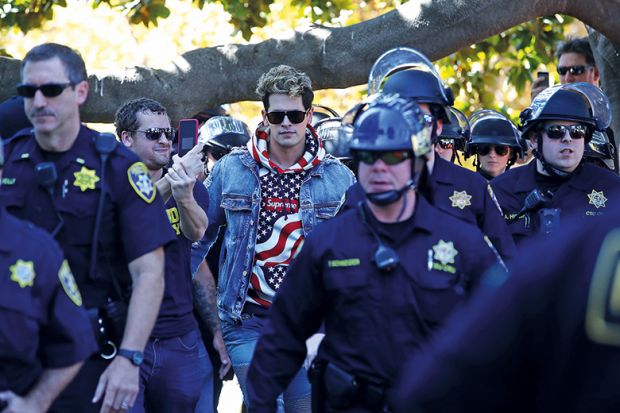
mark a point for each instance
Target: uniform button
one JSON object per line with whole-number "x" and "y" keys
{"x": 245, "y": 273}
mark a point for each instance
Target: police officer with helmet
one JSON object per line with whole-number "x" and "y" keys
{"x": 495, "y": 142}
{"x": 449, "y": 187}
{"x": 45, "y": 335}
{"x": 536, "y": 198}
{"x": 454, "y": 136}
{"x": 396, "y": 268}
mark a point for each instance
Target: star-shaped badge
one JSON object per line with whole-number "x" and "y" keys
{"x": 460, "y": 199}
{"x": 444, "y": 252}
{"x": 597, "y": 199}
{"x": 22, "y": 272}
{"x": 85, "y": 178}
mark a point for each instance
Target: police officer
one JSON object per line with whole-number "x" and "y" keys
{"x": 45, "y": 335}
{"x": 550, "y": 340}
{"x": 449, "y": 187}
{"x": 334, "y": 142}
{"x": 537, "y": 197}
{"x": 454, "y": 136}
{"x": 98, "y": 201}
{"x": 495, "y": 142}
{"x": 381, "y": 277}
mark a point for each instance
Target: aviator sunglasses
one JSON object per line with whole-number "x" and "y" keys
{"x": 573, "y": 70}
{"x": 153, "y": 134}
{"x": 557, "y": 132}
{"x": 388, "y": 157}
{"x": 277, "y": 116}
{"x": 49, "y": 90}
{"x": 500, "y": 150}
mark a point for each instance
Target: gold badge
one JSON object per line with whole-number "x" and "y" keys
{"x": 22, "y": 272}
{"x": 141, "y": 181}
{"x": 85, "y": 178}
{"x": 460, "y": 199}
{"x": 444, "y": 252}
{"x": 68, "y": 283}
{"x": 597, "y": 199}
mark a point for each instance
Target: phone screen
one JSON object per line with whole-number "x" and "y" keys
{"x": 544, "y": 75}
{"x": 188, "y": 134}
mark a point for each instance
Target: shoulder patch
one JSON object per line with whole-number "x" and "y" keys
{"x": 602, "y": 325}
{"x": 68, "y": 283}
{"x": 22, "y": 272}
{"x": 141, "y": 181}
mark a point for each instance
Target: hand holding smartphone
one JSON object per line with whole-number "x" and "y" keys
{"x": 544, "y": 75}
{"x": 188, "y": 135}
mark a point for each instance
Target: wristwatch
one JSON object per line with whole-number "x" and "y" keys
{"x": 136, "y": 357}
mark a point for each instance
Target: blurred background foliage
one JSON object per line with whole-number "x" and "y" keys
{"x": 111, "y": 34}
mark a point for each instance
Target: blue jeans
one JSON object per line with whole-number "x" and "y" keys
{"x": 172, "y": 374}
{"x": 240, "y": 342}
{"x": 205, "y": 402}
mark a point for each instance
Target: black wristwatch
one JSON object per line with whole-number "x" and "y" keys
{"x": 136, "y": 357}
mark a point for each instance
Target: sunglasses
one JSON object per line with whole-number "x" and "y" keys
{"x": 389, "y": 158}
{"x": 500, "y": 150}
{"x": 49, "y": 90}
{"x": 295, "y": 116}
{"x": 154, "y": 134}
{"x": 446, "y": 143}
{"x": 557, "y": 132}
{"x": 573, "y": 70}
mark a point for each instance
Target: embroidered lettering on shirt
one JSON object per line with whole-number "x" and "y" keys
{"x": 8, "y": 181}
{"x": 349, "y": 262}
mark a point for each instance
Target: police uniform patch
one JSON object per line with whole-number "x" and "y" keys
{"x": 460, "y": 199}
{"x": 22, "y": 272}
{"x": 68, "y": 283}
{"x": 597, "y": 199}
{"x": 141, "y": 181}
{"x": 444, "y": 252}
{"x": 85, "y": 179}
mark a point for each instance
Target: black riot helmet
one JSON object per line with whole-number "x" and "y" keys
{"x": 489, "y": 127}
{"x": 390, "y": 123}
{"x": 600, "y": 150}
{"x": 410, "y": 74}
{"x": 457, "y": 130}
{"x": 577, "y": 102}
{"x": 321, "y": 112}
{"x": 221, "y": 134}
{"x": 334, "y": 142}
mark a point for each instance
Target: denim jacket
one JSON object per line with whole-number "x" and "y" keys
{"x": 234, "y": 206}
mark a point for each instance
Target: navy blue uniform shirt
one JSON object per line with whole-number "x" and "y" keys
{"x": 373, "y": 320}
{"x": 585, "y": 194}
{"x": 42, "y": 322}
{"x": 461, "y": 193}
{"x": 133, "y": 223}
{"x": 547, "y": 339}
{"x": 176, "y": 316}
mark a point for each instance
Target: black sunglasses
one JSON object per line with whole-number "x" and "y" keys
{"x": 153, "y": 134}
{"x": 446, "y": 143}
{"x": 557, "y": 132}
{"x": 388, "y": 157}
{"x": 295, "y": 116}
{"x": 573, "y": 70}
{"x": 500, "y": 150}
{"x": 49, "y": 90}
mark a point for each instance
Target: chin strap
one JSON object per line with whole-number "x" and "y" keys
{"x": 389, "y": 197}
{"x": 550, "y": 169}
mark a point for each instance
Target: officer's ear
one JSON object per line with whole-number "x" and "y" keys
{"x": 126, "y": 138}
{"x": 532, "y": 141}
{"x": 439, "y": 126}
{"x": 81, "y": 91}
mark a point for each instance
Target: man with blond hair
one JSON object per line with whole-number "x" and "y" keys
{"x": 267, "y": 197}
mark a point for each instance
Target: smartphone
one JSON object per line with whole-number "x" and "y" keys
{"x": 544, "y": 75}
{"x": 188, "y": 135}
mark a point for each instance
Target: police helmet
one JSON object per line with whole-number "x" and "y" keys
{"x": 578, "y": 102}
{"x": 222, "y": 133}
{"x": 328, "y": 131}
{"x": 391, "y": 123}
{"x": 601, "y": 148}
{"x": 458, "y": 129}
{"x": 321, "y": 112}
{"x": 489, "y": 127}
